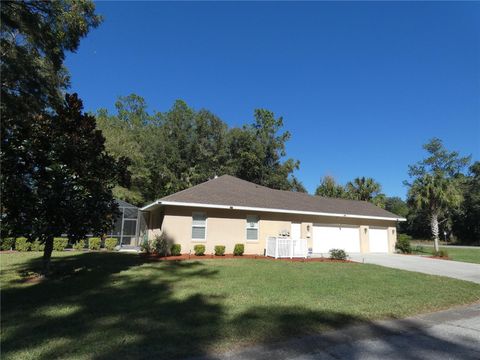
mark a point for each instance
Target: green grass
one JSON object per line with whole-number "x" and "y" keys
{"x": 458, "y": 254}
{"x": 118, "y": 306}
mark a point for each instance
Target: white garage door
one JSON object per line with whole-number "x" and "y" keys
{"x": 378, "y": 240}
{"x": 326, "y": 237}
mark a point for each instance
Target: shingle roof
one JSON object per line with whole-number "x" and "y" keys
{"x": 227, "y": 190}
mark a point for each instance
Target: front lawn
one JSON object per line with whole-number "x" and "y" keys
{"x": 471, "y": 255}
{"x": 119, "y": 306}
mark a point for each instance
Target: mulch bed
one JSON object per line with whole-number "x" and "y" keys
{"x": 231, "y": 256}
{"x": 439, "y": 257}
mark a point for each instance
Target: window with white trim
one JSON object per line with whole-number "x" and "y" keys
{"x": 252, "y": 228}
{"x": 199, "y": 226}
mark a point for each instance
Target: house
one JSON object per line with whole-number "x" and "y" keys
{"x": 227, "y": 210}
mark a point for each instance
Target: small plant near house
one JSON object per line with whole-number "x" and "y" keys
{"x": 161, "y": 245}
{"x": 79, "y": 245}
{"x": 110, "y": 243}
{"x": 220, "y": 250}
{"x": 199, "y": 250}
{"x": 441, "y": 253}
{"x": 338, "y": 254}
{"x": 22, "y": 244}
{"x": 59, "y": 243}
{"x": 239, "y": 249}
{"x": 94, "y": 243}
{"x": 146, "y": 247}
{"x": 7, "y": 244}
{"x": 176, "y": 249}
{"x": 403, "y": 244}
{"x": 37, "y": 246}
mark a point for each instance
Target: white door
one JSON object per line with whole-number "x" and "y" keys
{"x": 326, "y": 237}
{"x": 295, "y": 234}
{"x": 378, "y": 240}
{"x": 295, "y": 231}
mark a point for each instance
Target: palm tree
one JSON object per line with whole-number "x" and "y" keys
{"x": 363, "y": 189}
{"x": 436, "y": 194}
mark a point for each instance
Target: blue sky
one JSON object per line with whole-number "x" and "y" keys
{"x": 361, "y": 86}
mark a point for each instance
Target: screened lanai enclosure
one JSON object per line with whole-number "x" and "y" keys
{"x": 130, "y": 226}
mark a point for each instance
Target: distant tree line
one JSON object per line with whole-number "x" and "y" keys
{"x": 182, "y": 147}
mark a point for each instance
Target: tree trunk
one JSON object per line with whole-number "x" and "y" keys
{"x": 47, "y": 254}
{"x": 434, "y": 226}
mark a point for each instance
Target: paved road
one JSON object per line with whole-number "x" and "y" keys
{"x": 450, "y": 334}
{"x": 454, "y": 269}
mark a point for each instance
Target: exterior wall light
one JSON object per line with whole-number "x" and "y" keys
{"x": 365, "y": 230}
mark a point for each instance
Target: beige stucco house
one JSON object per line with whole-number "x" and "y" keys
{"x": 227, "y": 211}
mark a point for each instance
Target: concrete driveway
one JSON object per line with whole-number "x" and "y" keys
{"x": 453, "y": 269}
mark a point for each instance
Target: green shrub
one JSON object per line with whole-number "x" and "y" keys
{"x": 59, "y": 243}
{"x": 176, "y": 249}
{"x": 110, "y": 244}
{"x": 161, "y": 245}
{"x": 338, "y": 254}
{"x": 199, "y": 250}
{"x": 146, "y": 246}
{"x": 441, "y": 253}
{"x": 405, "y": 236}
{"x": 37, "y": 246}
{"x": 79, "y": 245}
{"x": 403, "y": 244}
{"x": 239, "y": 249}
{"x": 22, "y": 244}
{"x": 7, "y": 243}
{"x": 94, "y": 243}
{"x": 219, "y": 250}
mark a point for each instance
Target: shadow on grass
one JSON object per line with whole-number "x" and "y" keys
{"x": 93, "y": 308}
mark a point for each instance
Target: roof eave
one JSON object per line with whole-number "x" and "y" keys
{"x": 251, "y": 208}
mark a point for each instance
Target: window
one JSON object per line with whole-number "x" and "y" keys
{"x": 252, "y": 228}
{"x": 199, "y": 226}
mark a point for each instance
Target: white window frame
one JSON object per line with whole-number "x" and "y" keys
{"x": 204, "y": 214}
{"x": 248, "y": 227}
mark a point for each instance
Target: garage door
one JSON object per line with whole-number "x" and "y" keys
{"x": 326, "y": 237}
{"x": 378, "y": 240}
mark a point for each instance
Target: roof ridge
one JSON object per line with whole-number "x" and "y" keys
{"x": 233, "y": 191}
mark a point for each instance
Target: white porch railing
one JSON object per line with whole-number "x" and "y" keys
{"x": 279, "y": 247}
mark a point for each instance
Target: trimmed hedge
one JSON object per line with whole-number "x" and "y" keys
{"x": 199, "y": 250}
{"x": 176, "y": 249}
{"x": 59, "y": 243}
{"x": 239, "y": 249}
{"x": 22, "y": 244}
{"x": 94, "y": 243}
{"x": 338, "y": 254}
{"x": 37, "y": 246}
{"x": 219, "y": 250}
{"x": 79, "y": 245}
{"x": 7, "y": 243}
{"x": 110, "y": 243}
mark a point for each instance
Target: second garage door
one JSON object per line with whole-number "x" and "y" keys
{"x": 326, "y": 237}
{"x": 378, "y": 240}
